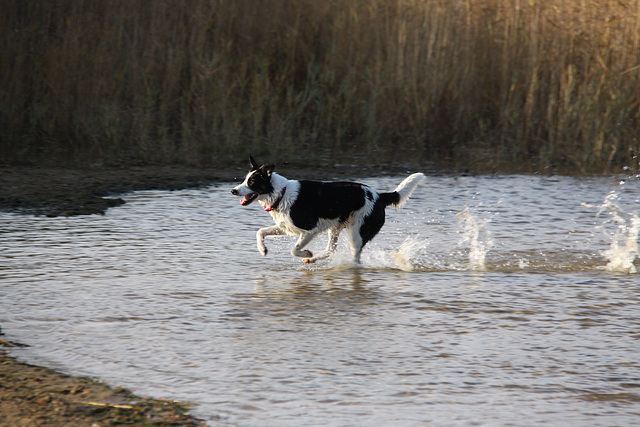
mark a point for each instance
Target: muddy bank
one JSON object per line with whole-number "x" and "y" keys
{"x": 36, "y": 396}
{"x": 66, "y": 191}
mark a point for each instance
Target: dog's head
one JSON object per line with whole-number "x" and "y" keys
{"x": 257, "y": 183}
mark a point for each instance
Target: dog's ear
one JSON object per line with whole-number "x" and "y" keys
{"x": 254, "y": 164}
{"x": 267, "y": 170}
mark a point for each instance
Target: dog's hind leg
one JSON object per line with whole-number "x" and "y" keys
{"x": 361, "y": 233}
{"x": 334, "y": 233}
{"x": 355, "y": 239}
{"x": 303, "y": 241}
{"x": 262, "y": 233}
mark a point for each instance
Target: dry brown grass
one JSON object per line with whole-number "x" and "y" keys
{"x": 511, "y": 82}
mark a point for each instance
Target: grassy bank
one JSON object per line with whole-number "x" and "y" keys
{"x": 504, "y": 82}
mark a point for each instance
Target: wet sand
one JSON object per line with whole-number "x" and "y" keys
{"x": 67, "y": 192}
{"x": 35, "y": 396}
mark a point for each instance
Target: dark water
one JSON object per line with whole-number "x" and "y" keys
{"x": 486, "y": 301}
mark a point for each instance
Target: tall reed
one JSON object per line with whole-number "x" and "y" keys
{"x": 512, "y": 82}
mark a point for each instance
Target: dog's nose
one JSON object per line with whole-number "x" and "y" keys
{"x": 234, "y": 192}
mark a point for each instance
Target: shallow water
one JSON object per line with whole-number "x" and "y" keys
{"x": 485, "y": 301}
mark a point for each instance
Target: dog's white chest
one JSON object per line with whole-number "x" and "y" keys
{"x": 285, "y": 223}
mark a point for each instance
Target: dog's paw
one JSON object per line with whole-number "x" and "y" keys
{"x": 263, "y": 250}
{"x": 308, "y": 257}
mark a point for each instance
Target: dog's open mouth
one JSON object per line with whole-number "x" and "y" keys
{"x": 248, "y": 199}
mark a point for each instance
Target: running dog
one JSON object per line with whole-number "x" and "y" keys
{"x": 307, "y": 208}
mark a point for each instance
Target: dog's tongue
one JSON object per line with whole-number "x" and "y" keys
{"x": 248, "y": 199}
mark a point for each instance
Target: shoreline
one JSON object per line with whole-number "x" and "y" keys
{"x": 32, "y": 395}
{"x": 53, "y": 191}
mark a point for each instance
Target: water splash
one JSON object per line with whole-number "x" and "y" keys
{"x": 476, "y": 235}
{"x": 407, "y": 257}
{"x": 409, "y": 249}
{"x": 623, "y": 249}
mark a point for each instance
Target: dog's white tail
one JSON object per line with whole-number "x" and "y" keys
{"x": 401, "y": 194}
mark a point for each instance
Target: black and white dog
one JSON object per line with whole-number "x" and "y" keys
{"x": 307, "y": 208}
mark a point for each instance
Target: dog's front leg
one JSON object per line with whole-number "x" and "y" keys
{"x": 303, "y": 240}
{"x": 262, "y": 233}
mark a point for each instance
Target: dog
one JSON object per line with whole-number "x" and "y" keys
{"x": 307, "y": 208}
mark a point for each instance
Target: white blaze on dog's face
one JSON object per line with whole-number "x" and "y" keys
{"x": 256, "y": 183}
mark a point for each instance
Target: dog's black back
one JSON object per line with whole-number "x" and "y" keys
{"x": 327, "y": 200}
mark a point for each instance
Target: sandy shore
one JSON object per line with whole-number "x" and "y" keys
{"x": 35, "y": 396}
